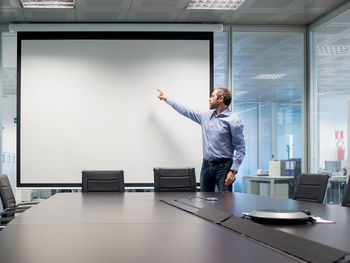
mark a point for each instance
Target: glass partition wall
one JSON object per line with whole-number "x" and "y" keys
{"x": 330, "y": 102}
{"x": 8, "y": 106}
{"x": 268, "y": 87}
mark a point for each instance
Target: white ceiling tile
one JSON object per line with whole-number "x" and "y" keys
{"x": 270, "y": 4}
{"x": 49, "y": 15}
{"x": 99, "y": 16}
{"x": 157, "y": 3}
{"x": 104, "y": 3}
{"x": 9, "y": 3}
{"x": 11, "y": 14}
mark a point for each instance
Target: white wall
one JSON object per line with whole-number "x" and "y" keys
{"x": 8, "y": 163}
{"x": 9, "y": 50}
{"x": 8, "y": 109}
{"x": 9, "y": 127}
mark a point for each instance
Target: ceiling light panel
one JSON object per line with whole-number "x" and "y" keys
{"x": 48, "y": 3}
{"x": 332, "y": 50}
{"x": 270, "y": 76}
{"x": 215, "y": 4}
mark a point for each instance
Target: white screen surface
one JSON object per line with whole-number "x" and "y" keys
{"x": 91, "y": 105}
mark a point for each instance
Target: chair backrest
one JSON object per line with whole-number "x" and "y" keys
{"x": 311, "y": 187}
{"x": 174, "y": 180}
{"x": 346, "y": 198}
{"x": 7, "y": 197}
{"x": 103, "y": 181}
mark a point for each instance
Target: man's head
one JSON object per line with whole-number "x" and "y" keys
{"x": 220, "y": 96}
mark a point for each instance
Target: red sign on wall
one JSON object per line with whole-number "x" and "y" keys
{"x": 339, "y": 135}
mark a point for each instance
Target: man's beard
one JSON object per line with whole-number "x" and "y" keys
{"x": 213, "y": 106}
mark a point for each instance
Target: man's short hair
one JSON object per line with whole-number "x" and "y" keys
{"x": 222, "y": 92}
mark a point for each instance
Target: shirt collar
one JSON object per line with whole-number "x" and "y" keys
{"x": 225, "y": 113}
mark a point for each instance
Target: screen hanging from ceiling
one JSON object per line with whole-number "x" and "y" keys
{"x": 87, "y": 101}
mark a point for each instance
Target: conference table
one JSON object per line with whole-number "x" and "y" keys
{"x": 141, "y": 227}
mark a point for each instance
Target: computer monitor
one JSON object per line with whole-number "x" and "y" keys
{"x": 333, "y": 166}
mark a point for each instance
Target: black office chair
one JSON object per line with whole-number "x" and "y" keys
{"x": 311, "y": 188}
{"x": 5, "y": 218}
{"x": 8, "y": 198}
{"x": 346, "y": 198}
{"x": 174, "y": 180}
{"x": 103, "y": 181}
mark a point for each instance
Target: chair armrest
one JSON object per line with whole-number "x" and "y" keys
{"x": 13, "y": 210}
{"x": 23, "y": 207}
{"x": 6, "y": 219}
{"x": 28, "y": 203}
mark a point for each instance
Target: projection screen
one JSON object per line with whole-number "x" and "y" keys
{"x": 87, "y": 101}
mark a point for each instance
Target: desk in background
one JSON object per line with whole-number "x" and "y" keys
{"x": 336, "y": 189}
{"x": 278, "y": 186}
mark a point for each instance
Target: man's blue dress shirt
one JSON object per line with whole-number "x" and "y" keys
{"x": 222, "y": 135}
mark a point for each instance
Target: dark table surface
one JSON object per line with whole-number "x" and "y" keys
{"x": 138, "y": 227}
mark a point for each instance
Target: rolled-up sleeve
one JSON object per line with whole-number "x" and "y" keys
{"x": 238, "y": 144}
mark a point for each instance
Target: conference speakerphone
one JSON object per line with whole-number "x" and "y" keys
{"x": 276, "y": 216}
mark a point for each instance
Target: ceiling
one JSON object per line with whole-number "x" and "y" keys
{"x": 253, "y": 54}
{"x": 260, "y": 12}
{"x": 333, "y": 60}
{"x": 268, "y": 67}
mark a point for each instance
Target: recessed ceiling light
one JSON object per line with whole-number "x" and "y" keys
{"x": 214, "y": 4}
{"x": 328, "y": 92}
{"x": 48, "y": 3}
{"x": 270, "y": 76}
{"x": 240, "y": 92}
{"x": 332, "y": 50}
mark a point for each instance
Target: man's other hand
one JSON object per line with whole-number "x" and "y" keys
{"x": 230, "y": 178}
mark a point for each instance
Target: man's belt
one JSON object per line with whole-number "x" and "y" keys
{"x": 216, "y": 161}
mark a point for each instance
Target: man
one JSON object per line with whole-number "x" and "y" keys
{"x": 222, "y": 139}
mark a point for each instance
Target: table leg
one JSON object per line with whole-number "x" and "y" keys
{"x": 272, "y": 188}
{"x": 243, "y": 184}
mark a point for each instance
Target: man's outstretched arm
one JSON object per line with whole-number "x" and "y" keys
{"x": 185, "y": 111}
